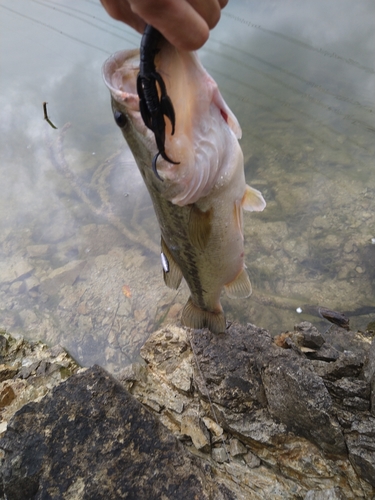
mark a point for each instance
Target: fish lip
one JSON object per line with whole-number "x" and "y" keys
{"x": 123, "y": 90}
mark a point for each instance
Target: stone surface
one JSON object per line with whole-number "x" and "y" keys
{"x": 89, "y": 438}
{"x": 329, "y": 494}
{"x": 237, "y": 448}
{"x": 272, "y": 422}
{"x": 28, "y": 370}
{"x": 291, "y": 414}
{"x": 369, "y": 374}
{"x": 192, "y": 425}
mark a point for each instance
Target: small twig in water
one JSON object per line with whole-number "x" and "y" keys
{"x": 46, "y": 116}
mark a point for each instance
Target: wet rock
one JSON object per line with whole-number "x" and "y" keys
{"x": 113, "y": 446}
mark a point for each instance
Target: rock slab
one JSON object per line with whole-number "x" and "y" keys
{"x": 89, "y": 438}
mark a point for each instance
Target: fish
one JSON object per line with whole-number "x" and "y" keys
{"x": 199, "y": 201}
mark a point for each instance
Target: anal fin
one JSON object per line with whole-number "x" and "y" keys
{"x": 240, "y": 287}
{"x": 171, "y": 272}
{"x": 197, "y": 318}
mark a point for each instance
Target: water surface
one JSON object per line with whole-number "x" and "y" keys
{"x": 79, "y": 239}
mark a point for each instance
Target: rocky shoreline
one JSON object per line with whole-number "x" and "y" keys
{"x": 233, "y": 416}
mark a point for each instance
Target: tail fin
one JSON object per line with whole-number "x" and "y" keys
{"x": 197, "y": 318}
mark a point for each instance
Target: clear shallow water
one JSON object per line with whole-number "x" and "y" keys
{"x": 78, "y": 237}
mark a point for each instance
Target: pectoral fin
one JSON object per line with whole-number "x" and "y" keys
{"x": 253, "y": 200}
{"x": 200, "y": 227}
{"x": 171, "y": 272}
{"x": 226, "y": 113}
{"x": 197, "y": 318}
{"x": 238, "y": 217}
{"x": 240, "y": 287}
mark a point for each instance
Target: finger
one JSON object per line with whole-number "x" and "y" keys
{"x": 209, "y": 10}
{"x": 121, "y": 11}
{"x": 177, "y": 20}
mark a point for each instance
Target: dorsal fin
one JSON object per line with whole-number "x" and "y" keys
{"x": 240, "y": 287}
{"x": 171, "y": 272}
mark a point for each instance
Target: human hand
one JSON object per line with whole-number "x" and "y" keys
{"x": 184, "y": 23}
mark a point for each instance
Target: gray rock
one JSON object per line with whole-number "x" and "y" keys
{"x": 304, "y": 424}
{"x": 361, "y": 446}
{"x": 252, "y": 460}
{"x": 274, "y": 401}
{"x": 369, "y": 374}
{"x": 311, "y": 337}
{"x": 90, "y": 438}
{"x": 236, "y": 448}
{"x": 257, "y": 375}
{"x": 325, "y": 353}
{"x": 219, "y": 455}
{"x": 329, "y": 494}
{"x": 348, "y": 364}
{"x": 298, "y": 398}
{"x": 349, "y": 387}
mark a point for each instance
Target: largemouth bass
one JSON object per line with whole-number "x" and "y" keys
{"x": 198, "y": 202}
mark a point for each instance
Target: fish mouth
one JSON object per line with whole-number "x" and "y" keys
{"x": 205, "y": 142}
{"x": 120, "y": 75}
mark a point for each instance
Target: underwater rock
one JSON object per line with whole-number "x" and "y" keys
{"x": 65, "y": 275}
{"x": 18, "y": 268}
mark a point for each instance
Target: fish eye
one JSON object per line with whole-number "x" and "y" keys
{"x": 120, "y": 118}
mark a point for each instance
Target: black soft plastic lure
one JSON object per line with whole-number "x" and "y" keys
{"x": 154, "y": 103}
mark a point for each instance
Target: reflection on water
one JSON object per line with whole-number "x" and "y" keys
{"x": 79, "y": 240}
